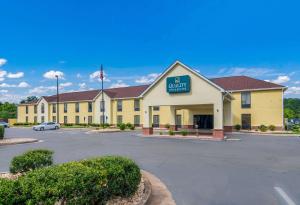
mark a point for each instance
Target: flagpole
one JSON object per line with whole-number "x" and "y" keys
{"x": 103, "y": 105}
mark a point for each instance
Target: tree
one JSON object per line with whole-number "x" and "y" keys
{"x": 30, "y": 99}
{"x": 292, "y": 108}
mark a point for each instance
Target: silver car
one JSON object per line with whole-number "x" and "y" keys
{"x": 46, "y": 126}
{"x": 5, "y": 124}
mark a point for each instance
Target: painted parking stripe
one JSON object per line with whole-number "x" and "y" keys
{"x": 285, "y": 197}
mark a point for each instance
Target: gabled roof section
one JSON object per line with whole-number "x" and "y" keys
{"x": 240, "y": 83}
{"x": 126, "y": 92}
{"x": 189, "y": 69}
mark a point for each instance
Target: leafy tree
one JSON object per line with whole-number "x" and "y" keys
{"x": 8, "y": 110}
{"x": 292, "y": 108}
{"x": 30, "y": 99}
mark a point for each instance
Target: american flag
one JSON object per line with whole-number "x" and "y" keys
{"x": 101, "y": 73}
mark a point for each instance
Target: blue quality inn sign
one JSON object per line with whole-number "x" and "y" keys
{"x": 179, "y": 84}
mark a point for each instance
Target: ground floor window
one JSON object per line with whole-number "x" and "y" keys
{"x": 26, "y": 119}
{"x": 155, "y": 120}
{"x": 137, "y": 120}
{"x": 246, "y": 121}
{"x": 77, "y": 121}
{"x": 42, "y": 119}
{"x": 35, "y": 119}
{"x": 65, "y": 119}
{"x": 178, "y": 121}
{"x": 53, "y": 118}
{"x": 90, "y": 119}
{"x": 119, "y": 119}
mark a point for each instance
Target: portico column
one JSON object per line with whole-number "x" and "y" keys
{"x": 218, "y": 131}
{"x": 147, "y": 125}
{"x": 172, "y": 118}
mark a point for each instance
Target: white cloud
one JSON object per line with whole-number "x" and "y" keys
{"x": 52, "y": 74}
{"x": 96, "y": 76}
{"x": 78, "y": 75}
{"x": 2, "y": 79}
{"x": 119, "y": 84}
{"x": 82, "y": 86}
{"x": 2, "y": 73}
{"x": 13, "y": 98}
{"x": 42, "y": 90}
{"x": 5, "y": 85}
{"x": 293, "y": 90}
{"x": 147, "y": 79}
{"x": 297, "y": 82}
{"x": 23, "y": 85}
{"x": 3, "y": 61}
{"x": 15, "y": 75}
{"x": 3, "y": 91}
{"x": 280, "y": 79}
{"x": 67, "y": 84}
{"x": 253, "y": 72}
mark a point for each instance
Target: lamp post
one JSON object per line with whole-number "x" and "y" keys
{"x": 57, "y": 100}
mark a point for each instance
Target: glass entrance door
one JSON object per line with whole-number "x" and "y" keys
{"x": 203, "y": 121}
{"x": 178, "y": 121}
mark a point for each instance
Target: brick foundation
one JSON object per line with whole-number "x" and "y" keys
{"x": 218, "y": 134}
{"x": 228, "y": 129}
{"x": 277, "y": 128}
{"x": 187, "y": 126}
{"x": 173, "y": 127}
{"x": 147, "y": 131}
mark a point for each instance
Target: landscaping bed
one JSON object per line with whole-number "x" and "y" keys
{"x": 33, "y": 179}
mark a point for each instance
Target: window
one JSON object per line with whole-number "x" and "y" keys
{"x": 53, "y": 118}
{"x": 65, "y": 107}
{"x": 77, "y": 107}
{"x": 43, "y": 108}
{"x": 102, "y": 119}
{"x": 77, "y": 119}
{"x": 119, "y": 105}
{"x": 42, "y": 119}
{"x": 136, "y": 105}
{"x": 26, "y": 109}
{"x": 155, "y": 120}
{"x": 53, "y": 108}
{"x": 35, "y": 119}
{"x": 156, "y": 108}
{"x": 65, "y": 119}
{"x": 102, "y": 106}
{"x": 90, "y": 107}
{"x": 246, "y": 99}
{"x": 35, "y": 109}
{"x": 137, "y": 120}
{"x": 26, "y": 119}
{"x": 246, "y": 121}
{"x": 90, "y": 119}
{"x": 119, "y": 119}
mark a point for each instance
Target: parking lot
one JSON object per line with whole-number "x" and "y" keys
{"x": 254, "y": 170}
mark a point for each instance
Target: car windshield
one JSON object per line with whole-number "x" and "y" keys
{"x": 44, "y": 123}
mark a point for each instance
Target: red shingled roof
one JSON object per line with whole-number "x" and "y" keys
{"x": 243, "y": 83}
{"x": 126, "y": 92}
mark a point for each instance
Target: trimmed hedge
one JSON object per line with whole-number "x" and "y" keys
{"x": 237, "y": 127}
{"x": 263, "y": 128}
{"x": 2, "y": 132}
{"x": 30, "y": 160}
{"x": 272, "y": 127}
{"x": 91, "y": 181}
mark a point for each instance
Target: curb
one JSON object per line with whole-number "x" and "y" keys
{"x": 20, "y": 141}
{"x": 160, "y": 195}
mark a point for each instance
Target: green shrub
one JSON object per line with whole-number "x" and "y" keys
{"x": 237, "y": 127}
{"x": 123, "y": 174}
{"x": 161, "y": 133}
{"x": 72, "y": 182}
{"x": 81, "y": 124}
{"x": 68, "y": 124}
{"x": 132, "y": 127}
{"x": 296, "y": 128}
{"x": 128, "y": 125}
{"x": 171, "y": 132}
{"x": 2, "y": 131}
{"x": 30, "y": 160}
{"x": 167, "y": 126}
{"x": 22, "y": 124}
{"x": 10, "y": 192}
{"x": 183, "y": 132}
{"x": 272, "y": 127}
{"x": 105, "y": 125}
{"x": 122, "y": 126}
{"x": 263, "y": 128}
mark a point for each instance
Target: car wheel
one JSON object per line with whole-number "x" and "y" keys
{"x": 56, "y": 127}
{"x": 41, "y": 129}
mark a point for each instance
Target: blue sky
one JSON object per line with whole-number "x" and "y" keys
{"x": 136, "y": 40}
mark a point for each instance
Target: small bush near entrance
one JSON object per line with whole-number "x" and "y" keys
{"x": 171, "y": 132}
{"x": 122, "y": 126}
{"x": 31, "y": 160}
{"x": 263, "y": 128}
{"x": 2, "y": 131}
{"x": 237, "y": 127}
{"x": 167, "y": 126}
{"x": 272, "y": 127}
{"x": 296, "y": 128}
{"x": 92, "y": 181}
{"x": 129, "y": 125}
{"x": 184, "y": 132}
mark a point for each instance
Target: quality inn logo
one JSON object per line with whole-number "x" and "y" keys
{"x": 177, "y": 80}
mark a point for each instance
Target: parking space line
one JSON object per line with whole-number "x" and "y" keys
{"x": 285, "y": 197}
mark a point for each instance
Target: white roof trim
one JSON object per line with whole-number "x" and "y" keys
{"x": 189, "y": 69}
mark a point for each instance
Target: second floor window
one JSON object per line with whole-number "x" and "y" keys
{"x": 35, "y": 109}
{"x": 65, "y": 108}
{"x": 53, "y": 108}
{"x": 136, "y": 105}
{"x": 246, "y": 99}
{"x": 156, "y": 108}
{"x": 43, "y": 108}
{"x": 119, "y": 106}
{"x": 90, "y": 106}
{"x": 102, "y": 106}
{"x": 26, "y": 109}
{"x": 77, "y": 107}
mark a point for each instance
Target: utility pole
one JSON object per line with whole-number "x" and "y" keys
{"x": 57, "y": 100}
{"x": 102, "y": 92}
